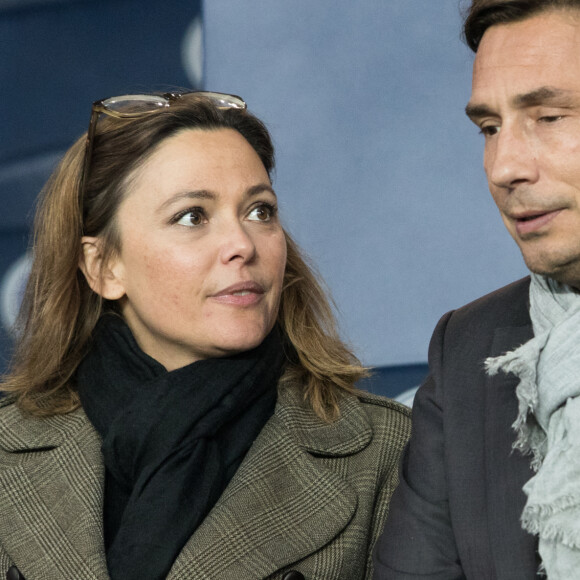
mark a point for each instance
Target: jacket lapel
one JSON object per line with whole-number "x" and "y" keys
{"x": 507, "y": 470}
{"x": 51, "y": 488}
{"x": 282, "y": 505}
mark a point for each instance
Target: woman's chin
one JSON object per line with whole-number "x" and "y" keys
{"x": 236, "y": 343}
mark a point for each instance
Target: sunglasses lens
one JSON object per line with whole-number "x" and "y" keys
{"x": 128, "y": 105}
{"x": 224, "y": 101}
{"x": 137, "y": 105}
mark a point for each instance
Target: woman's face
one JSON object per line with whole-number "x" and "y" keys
{"x": 203, "y": 253}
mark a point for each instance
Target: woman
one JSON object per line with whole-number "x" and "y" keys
{"x": 180, "y": 404}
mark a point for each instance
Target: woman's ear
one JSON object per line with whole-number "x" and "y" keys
{"x": 104, "y": 279}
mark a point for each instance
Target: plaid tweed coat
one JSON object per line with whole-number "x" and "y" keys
{"x": 309, "y": 496}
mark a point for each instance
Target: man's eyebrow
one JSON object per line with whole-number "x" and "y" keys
{"x": 477, "y": 111}
{"x": 547, "y": 96}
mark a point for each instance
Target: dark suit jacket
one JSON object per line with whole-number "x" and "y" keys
{"x": 457, "y": 509}
{"x": 310, "y": 496}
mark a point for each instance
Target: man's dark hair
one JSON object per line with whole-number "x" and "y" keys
{"x": 482, "y": 14}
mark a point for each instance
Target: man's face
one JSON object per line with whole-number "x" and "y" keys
{"x": 526, "y": 100}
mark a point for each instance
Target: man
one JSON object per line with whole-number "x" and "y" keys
{"x": 490, "y": 482}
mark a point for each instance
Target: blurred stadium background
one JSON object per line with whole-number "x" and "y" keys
{"x": 379, "y": 172}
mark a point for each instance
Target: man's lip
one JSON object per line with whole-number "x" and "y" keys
{"x": 528, "y": 222}
{"x": 531, "y": 213}
{"x": 248, "y": 286}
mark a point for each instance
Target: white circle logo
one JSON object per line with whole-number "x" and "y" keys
{"x": 12, "y": 290}
{"x": 192, "y": 52}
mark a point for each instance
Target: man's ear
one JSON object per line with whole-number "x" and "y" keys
{"x": 104, "y": 279}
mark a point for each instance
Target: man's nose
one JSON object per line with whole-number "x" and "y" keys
{"x": 511, "y": 159}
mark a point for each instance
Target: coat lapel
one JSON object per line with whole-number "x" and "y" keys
{"x": 51, "y": 488}
{"x": 507, "y": 470}
{"x": 282, "y": 505}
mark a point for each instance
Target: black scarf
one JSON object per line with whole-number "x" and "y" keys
{"x": 171, "y": 440}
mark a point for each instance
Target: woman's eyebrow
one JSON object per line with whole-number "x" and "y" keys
{"x": 204, "y": 194}
{"x": 195, "y": 194}
{"x": 259, "y": 188}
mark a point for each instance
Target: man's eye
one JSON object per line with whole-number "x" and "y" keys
{"x": 551, "y": 118}
{"x": 191, "y": 218}
{"x": 489, "y": 130}
{"x": 263, "y": 213}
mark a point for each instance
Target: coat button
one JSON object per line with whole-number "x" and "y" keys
{"x": 14, "y": 574}
{"x": 293, "y": 575}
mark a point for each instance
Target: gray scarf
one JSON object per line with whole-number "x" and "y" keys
{"x": 548, "y": 422}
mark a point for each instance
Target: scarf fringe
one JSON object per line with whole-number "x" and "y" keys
{"x": 530, "y": 438}
{"x": 553, "y": 533}
{"x": 547, "y": 510}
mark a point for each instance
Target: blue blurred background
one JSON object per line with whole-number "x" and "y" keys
{"x": 379, "y": 171}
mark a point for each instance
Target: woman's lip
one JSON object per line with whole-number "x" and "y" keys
{"x": 240, "y": 294}
{"x": 248, "y": 286}
{"x": 531, "y": 222}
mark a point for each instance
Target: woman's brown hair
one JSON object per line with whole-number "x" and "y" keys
{"x": 59, "y": 310}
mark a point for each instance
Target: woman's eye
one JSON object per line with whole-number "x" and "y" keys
{"x": 193, "y": 217}
{"x": 262, "y": 213}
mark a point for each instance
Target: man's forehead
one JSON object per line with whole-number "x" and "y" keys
{"x": 538, "y": 40}
{"x": 529, "y": 61}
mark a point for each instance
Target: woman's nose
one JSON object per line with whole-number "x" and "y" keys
{"x": 236, "y": 243}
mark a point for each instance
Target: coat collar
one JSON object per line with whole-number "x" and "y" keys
{"x": 51, "y": 493}
{"x": 282, "y": 505}
{"x": 349, "y": 434}
{"x": 508, "y": 470}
